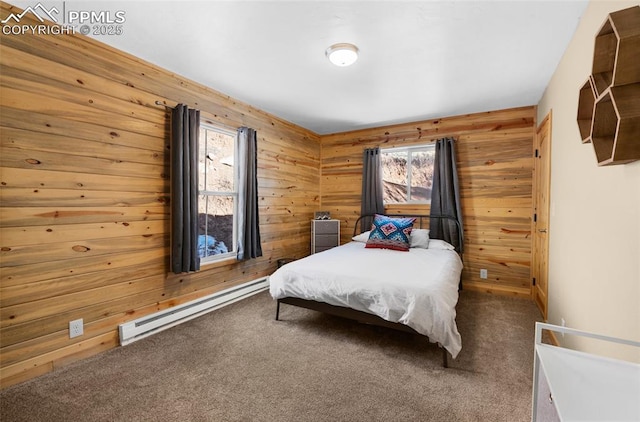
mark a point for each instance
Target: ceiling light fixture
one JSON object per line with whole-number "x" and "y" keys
{"x": 342, "y": 54}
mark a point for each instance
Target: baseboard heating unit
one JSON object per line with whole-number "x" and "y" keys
{"x": 144, "y": 327}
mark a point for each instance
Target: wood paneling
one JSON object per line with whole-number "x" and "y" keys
{"x": 84, "y": 195}
{"x": 494, "y": 157}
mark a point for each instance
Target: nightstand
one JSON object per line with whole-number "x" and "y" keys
{"x": 325, "y": 234}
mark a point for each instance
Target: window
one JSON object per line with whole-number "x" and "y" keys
{"x": 407, "y": 174}
{"x": 217, "y": 193}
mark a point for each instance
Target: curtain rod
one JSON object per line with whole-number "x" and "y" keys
{"x": 160, "y": 103}
{"x": 417, "y": 146}
{"x": 222, "y": 125}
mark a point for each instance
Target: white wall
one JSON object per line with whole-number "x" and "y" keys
{"x": 594, "y": 250}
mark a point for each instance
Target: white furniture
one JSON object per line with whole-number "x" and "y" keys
{"x": 569, "y": 385}
{"x": 325, "y": 234}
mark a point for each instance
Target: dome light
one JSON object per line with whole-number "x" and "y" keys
{"x": 342, "y": 54}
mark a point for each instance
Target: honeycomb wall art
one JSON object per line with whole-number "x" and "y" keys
{"x": 609, "y": 101}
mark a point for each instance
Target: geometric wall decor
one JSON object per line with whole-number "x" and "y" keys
{"x": 609, "y": 101}
{"x": 586, "y": 101}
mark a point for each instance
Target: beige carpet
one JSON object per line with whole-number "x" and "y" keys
{"x": 239, "y": 364}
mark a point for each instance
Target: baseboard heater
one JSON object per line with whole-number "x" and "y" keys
{"x": 144, "y": 327}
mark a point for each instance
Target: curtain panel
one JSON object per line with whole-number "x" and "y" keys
{"x": 372, "y": 199}
{"x": 445, "y": 195}
{"x": 185, "y": 125}
{"x": 249, "y": 245}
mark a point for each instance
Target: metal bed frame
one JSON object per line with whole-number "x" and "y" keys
{"x": 364, "y": 317}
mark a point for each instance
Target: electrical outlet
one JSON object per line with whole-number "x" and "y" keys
{"x": 483, "y": 273}
{"x": 563, "y": 324}
{"x": 76, "y": 328}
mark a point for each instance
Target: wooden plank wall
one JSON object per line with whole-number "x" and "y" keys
{"x": 494, "y": 157}
{"x": 85, "y": 195}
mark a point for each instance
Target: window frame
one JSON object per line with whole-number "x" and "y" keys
{"x": 233, "y": 253}
{"x": 409, "y": 149}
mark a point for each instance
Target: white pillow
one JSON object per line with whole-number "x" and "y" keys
{"x": 440, "y": 244}
{"x": 362, "y": 237}
{"x": 419, "y": 238}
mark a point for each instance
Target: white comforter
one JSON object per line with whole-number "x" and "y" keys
{"x": 418, "y": 288}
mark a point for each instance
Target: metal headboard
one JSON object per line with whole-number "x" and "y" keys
{"x": 419, "y": 218}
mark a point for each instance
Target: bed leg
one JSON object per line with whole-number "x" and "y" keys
{"x": 278, "y": 310}
{"x": 445, "y": 358}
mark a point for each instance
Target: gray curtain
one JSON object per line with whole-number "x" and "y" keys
{"x": 372, "y": 201}
{"x": 185, "y": 124}
{"x": 445, "y": 195}
{"x": 248, "y": 222}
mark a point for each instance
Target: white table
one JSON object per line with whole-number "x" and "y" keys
{"x": 570, "y": 385}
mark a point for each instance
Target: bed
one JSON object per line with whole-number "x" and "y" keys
{"x": 414, "y": 290}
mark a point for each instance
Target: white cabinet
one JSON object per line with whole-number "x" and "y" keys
{"x": 569, "y": 385}
{"x": 325, "y": 234}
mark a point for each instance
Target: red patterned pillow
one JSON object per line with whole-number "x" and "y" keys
{"x": 390, "y": 233}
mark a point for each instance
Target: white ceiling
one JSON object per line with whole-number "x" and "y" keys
{"x": 418, "y": 59}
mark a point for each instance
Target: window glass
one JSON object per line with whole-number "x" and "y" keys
{"x": 218, "y": 195}
{"x": 407, "y": 174}
{"x": 421, "y": 175}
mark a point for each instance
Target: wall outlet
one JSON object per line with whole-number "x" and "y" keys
{"x": 483, "y": 273}
{"x": 76, "y": 328}
{"x": 563, "y": 324}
